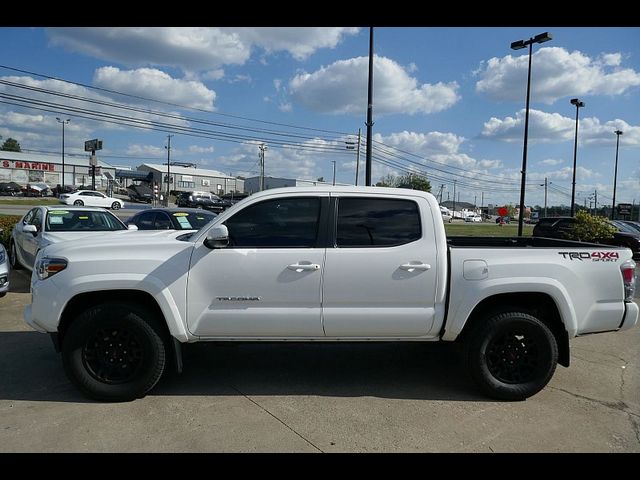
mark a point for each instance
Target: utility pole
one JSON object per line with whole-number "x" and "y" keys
{"x": 481, "y": 203}
{"x": 334, "y": 171}
{"x": 545, "y": 196}
{"x": 369, "y": 111}
{"x": 441, "y": 192}
{"x": 168, "y": 147}
{"x": 615, "y": 175}
{"x": 351, "y": 147}
{"x": 63, "y": 122}
{"x": 262, "y": 148}
{"x": 454, "y": 199}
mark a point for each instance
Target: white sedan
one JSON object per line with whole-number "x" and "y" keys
{"x": 42, "y": 226}
{"x": 473, "y": 218}
{"x": 91, "y": 198}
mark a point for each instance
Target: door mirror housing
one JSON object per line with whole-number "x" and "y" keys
{"x": 30, "y": 229}
{"x": 132, "y": 226}
{"x": 217, "y": 237}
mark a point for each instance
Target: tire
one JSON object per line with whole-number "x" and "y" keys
{"x": 115, "y": 206}
{"x": 13, "y": 257}
{"x": 79, "y": 203}
{"x": 512, "y": 356}
{"x": 102, "y": 370}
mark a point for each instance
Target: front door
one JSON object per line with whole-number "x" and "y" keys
{"x": 267, "y": 282}
{"x": 380, "y": 279}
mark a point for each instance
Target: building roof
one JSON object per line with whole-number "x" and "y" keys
{"x": 45, "y": 158}
{"x": 186, "y": 171}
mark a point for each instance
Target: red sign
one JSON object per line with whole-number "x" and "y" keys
{"x": 502, "y": 211}
{"x": 50, "y": 167}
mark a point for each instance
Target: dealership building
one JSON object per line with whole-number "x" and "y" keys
{"x": 192, "y": 178}
{"x": 23, "y": 168}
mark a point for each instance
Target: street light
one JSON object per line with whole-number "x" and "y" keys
{"x": 543, "y": 37}
{"x": 63, "y": 122}
{"x": 615, "y": 175}
{"x": 578, "y": 104}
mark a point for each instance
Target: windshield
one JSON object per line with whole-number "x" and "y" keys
{"x": 82, "y": 220}
{"x": 189, "y": 221}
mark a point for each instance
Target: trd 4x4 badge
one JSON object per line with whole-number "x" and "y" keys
{"x": 593, "y": 256}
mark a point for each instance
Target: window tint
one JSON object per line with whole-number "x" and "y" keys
{"x": 163, "y": 222}
{"x": 145, "y": 221}
{"x": 291, "y": 222}
{"x": 377, "y": 222}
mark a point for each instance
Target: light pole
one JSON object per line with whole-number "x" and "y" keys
{"x": 334, "y": 171}
{"x": 578, "y": 104}
{"x": 541, "y": 38}
{"x": 263, "y": 147}
{"x": 168, "y": 147}
{"x": 615, "y": 175}
{"x": 63, "y": 122}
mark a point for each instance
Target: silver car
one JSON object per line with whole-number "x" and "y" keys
{"x": 42, "y": 226}
{"x": 4, "y": 271}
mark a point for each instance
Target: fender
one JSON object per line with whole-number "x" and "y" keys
{"x": 460, "y": 311}
{"x": 170, "y": 299}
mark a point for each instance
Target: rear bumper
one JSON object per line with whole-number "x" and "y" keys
{"x": 630, "y": 316}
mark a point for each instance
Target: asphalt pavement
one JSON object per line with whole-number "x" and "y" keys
{"x": 317, "y": 398}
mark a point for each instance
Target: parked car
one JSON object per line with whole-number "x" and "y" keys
{"x": 36, "y": 189}
{"x": 10, "y": 188}
{"x": 560, "y": 227}
{"x": 91, "y": 198}
{"x": 140, "y": 193}
{"x": 234, "y": 198}
{"x": 4, "y": 271}
{"x": 503, "y": 219}
{"x": 42, "y": 226}
{"x": 473, "y": 218}
{"x": 205, "y": 200}
{"x": 171, "y": 219}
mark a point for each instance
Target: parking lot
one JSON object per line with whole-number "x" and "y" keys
{"x": 317, "y": 398}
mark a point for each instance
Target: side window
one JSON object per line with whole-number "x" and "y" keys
{"x": 37, "y": 219}
{"x": 377, "y": 222}
{"x": 145, "y": 221}
{"x": 281, "y": 223}
{"x": 29, "y": 216}
{"x": 163, "y": 222}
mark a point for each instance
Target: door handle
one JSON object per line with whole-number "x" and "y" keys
{"x": 411, "y": 267}
{"x": 301, "y": 267}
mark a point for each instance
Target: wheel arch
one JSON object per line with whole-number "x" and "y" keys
{"x": 82, "y": 301}
{"x": 539, "y": 305}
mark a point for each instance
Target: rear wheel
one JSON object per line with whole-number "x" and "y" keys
{"x": 512, "y": 356}
{"x": 114, "y": 352}
{"x": 115, "y": 206}
{"x": 79, "y": 203}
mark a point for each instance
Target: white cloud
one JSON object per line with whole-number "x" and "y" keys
{"x": 554, "y": 128}
{"x": 341, "y": 88}
{"x": 556, "y": 73}
{"x": 199, "y": 149}
{"x": 152, "y": 83}
{"x": 423, "y": 143}
{"x": 285, "y": 107}
{"x": 193, "y": 48}
{"x": 146, "y": 150}
{"x": 552, "y": 162}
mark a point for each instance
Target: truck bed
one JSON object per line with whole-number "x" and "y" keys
{"x": 519, "y": 242}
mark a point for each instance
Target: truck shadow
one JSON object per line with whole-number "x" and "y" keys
{"x": 31, "y": 370}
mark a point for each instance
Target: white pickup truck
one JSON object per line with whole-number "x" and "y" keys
{"x": 325, "y": 264}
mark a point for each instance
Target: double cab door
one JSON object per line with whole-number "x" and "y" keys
{"x": 317, "y": 266}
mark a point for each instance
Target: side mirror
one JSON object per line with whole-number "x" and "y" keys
{"x": 132, "y": 227}
{"x": 217, "y": 237}
{"x": 30, "y": 229}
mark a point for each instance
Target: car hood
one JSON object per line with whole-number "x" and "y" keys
{"x": 122, "y": 239}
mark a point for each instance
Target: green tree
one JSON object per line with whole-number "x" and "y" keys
{"x": 589, "y": 228}
{"x": 388, "y": 181}
{"x": 10, "y": 145}
{"x": 414, "y": 182}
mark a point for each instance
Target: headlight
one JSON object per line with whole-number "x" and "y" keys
{"x": 46, "y": 267}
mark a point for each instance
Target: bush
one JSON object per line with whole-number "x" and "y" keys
{"x": 6, "y": 225}
{"x": 589, "y": 228}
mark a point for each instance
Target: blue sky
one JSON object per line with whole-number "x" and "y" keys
{"x": 448, "y": 102}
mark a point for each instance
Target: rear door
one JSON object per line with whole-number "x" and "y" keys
{"x": 380, "y": 278}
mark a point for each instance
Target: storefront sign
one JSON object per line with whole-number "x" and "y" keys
{"x": 47, "y": 167}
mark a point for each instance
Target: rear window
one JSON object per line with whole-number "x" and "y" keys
{"x": 376, "y": 222}
{"x": 77, "y": 220}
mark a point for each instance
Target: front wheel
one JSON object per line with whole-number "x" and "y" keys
{"x": 114, "y": 352}
{"x": 512, "y": 355}
{"x": 13, "y": 257}
{"x": 115, "y": 206}
{"x": 79, "y": 203}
